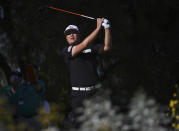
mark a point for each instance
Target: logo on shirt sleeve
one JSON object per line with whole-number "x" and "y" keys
{"x": 69, "y": 48}
{"x": 87, "y": 51}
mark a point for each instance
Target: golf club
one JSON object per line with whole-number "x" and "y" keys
{"x": 88, "y": 17}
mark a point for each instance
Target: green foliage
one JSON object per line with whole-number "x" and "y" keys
{"x": 174, "y": 107}
{"x": 55, "y": 117}
{"x": 145, "y": 45}
{"x": 6, "y": 119}
{"x": 144, "y": 115}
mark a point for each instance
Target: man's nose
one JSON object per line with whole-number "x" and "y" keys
{"x": 71, "y": 35}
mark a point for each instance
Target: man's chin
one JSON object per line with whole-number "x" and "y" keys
{"x": 74, "y": 43}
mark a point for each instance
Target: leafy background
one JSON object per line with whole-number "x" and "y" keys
{"x": 145, "y": 45}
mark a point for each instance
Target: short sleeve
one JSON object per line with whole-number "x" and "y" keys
{"x": 67, "y": 52}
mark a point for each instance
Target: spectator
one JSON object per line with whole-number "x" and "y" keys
{"x": 26, "y": 97}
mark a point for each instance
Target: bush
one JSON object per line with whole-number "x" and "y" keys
{"x": 144, "y": 115}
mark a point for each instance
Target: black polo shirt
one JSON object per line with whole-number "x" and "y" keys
{"x": 82, "y": 67}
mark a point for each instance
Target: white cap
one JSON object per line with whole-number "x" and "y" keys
{"x": 71, "y": 27}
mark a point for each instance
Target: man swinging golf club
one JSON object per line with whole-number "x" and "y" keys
{"x": 80, "y": 56}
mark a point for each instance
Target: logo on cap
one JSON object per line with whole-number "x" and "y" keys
{"x": 71, "y": 27}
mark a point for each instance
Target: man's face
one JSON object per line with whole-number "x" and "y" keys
{"x": 72, "y": 37}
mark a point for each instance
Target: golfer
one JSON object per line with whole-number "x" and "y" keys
{"x": 80, "y": 56}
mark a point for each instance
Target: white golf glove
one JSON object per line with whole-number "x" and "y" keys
{"x": 106, "y": 24}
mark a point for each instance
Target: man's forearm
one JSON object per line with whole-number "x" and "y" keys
{"x": 107, "y": 40}
{"x": 89, "y": 39}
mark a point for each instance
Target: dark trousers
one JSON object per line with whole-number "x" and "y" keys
{"x": 77, "y": 99}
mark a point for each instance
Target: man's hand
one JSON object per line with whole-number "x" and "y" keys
{"x": 106, "y": 24}
{"x": 99, "y": 22}
{"x": 88, "y": 40}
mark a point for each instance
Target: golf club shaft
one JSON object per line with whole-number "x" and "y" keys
{"x": 88, "y": 17}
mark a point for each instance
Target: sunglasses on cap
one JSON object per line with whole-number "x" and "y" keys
{"x": 68, "y": 32}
